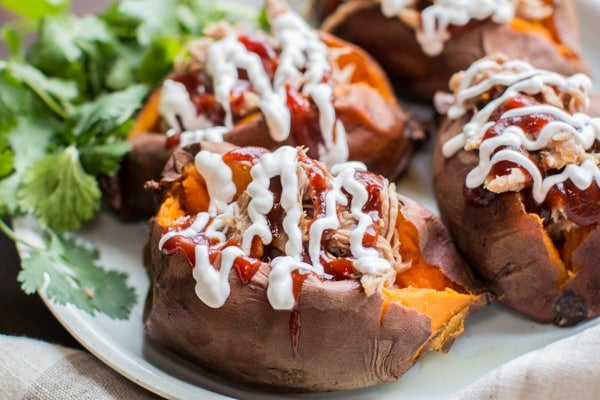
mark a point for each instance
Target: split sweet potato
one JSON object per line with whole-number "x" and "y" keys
{"x": 343, "y": 331}
{"x": 545, "y": 33}
{"x": 377, "y": 130}
{"x": 539, "y": 257}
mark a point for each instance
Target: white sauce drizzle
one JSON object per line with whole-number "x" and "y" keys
{"x": 213, "y": 134}
{"x": 521, "y": 78}
{"x": 303, "y": 63}
{"x": 437, "y": 18}
{"x": 177, "y": 109}
{"x": 218, "y": 178}
{"x": 212, "y": 284}
{"x": 280, "y": 291}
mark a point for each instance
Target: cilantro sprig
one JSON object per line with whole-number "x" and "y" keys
{"x": 66, "y": 107}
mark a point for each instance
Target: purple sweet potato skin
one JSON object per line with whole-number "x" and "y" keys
{"x": 507, "y": 248}
{"x": 417, "y": 75}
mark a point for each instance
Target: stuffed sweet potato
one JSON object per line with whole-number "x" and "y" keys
{"x": 294, "y": 86}
{"x": 517, "y": 182}
{"x": 272, "y": 271}
{"x": 422, "y": 43}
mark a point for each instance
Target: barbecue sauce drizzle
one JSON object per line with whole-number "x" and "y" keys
{"x": 512, "y": 130}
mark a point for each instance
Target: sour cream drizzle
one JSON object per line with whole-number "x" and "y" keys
{"x": 303, "y": 63}
{"x": 212, "y": 284}
{"x": 433, "y": 31}
{"x": 521, "y": 78}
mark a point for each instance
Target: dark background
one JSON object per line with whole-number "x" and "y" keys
{"x": 21, "y": 314}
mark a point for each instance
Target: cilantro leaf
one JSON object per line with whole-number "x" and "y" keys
{"x": 12, "y": 37}
{"x": 55, "y": 93}
{"x": 154, "y": 18}
{"x": 103, "y": 116}
{"x": 7, "y": 157}
{"x": 28, "y": 140}
{"x": 35, "y": 8}
{"x": 68, "y": 272}
{"x": 74, "y": 48}
{"x": 158, "y": 59}
{"x": 66, "y": 106}
{"x": 59, "y": 192}
{"x": 263, "y": 20}
{"x": 103, "y": 159}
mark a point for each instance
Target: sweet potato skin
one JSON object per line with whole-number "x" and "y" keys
{"x": 418, "y": 76}
{"x": 506, "y": 246}
{"x": 344, "y": 339}
{"x": 250, "y": 342}
{"x": 125, "y": 192}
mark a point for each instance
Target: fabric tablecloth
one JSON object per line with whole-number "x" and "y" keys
{"x": 32, "y": 369}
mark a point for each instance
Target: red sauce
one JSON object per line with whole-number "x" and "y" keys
{"x": 530, "y": 124}
{"x": 374, "y": 184}
{"x": 173, "y": 140}
{"x": 186, "y": 244}
{"x": 304, "y": 129}
{"x": 295, "y": 331}
{"x": 298, "y": 279}
{"x": 371, "y": 236}
{"x": 317, "y": 182}
{"x": 582, "y": 207}
{"x": 263, "y": 48}
{"x": 511, "y": 103}
{"x": 199, "y": 89}
{"x": 247, "y": 154}
{"x": 340, "y": 267}
{"x": 237, "y": 98}
{"x": 246, "y": 267}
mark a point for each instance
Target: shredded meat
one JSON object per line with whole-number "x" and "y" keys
{"x": 513, "y": 182}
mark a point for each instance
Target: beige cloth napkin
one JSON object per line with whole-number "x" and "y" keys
{"x": 31, "y": 369}
{"x": 566, "y": 369}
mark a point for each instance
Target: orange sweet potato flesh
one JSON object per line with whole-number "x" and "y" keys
{"x": 510, "y": 249}
{"x": 550, "y": 44}
{"x": 249, "y": 342}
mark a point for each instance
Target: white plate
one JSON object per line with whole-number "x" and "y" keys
{"x": 492, "y": 336}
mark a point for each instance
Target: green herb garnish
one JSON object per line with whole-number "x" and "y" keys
{"x": 66, "y": 107}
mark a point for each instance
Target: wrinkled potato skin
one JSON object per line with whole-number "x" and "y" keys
{"x": 505, "y": 245}
{"x": 419, "y": 76}
{"x": 342, "y": 342}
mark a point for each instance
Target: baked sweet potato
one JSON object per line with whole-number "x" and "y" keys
{"x": 420, "y": 60}
{"x": 294, "y": 86}
{"x": 516, "y": 179}
{"x": 269, "y": 270}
